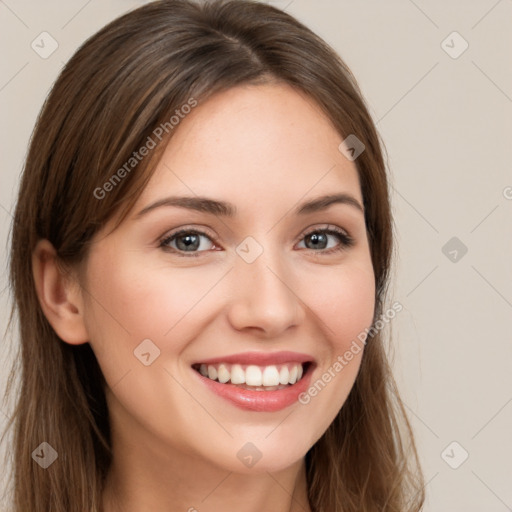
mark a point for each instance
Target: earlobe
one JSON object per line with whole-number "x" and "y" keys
{"x": 59, "y": 295}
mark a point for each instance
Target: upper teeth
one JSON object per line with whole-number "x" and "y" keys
{"x": 253, "y": 375}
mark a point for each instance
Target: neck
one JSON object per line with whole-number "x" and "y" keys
{"x": 146, "y": 475}
{"x": 189, "y": 486}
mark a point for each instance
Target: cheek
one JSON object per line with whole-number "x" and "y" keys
{"x": 344, "y": 307}
{"x": 344, "y": 301}
{"x": 142, "y": 300}
{"x": 133, "y": 301}
{"x": 129, "y": 302}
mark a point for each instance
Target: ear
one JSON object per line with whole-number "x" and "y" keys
{"x": 59, "y": 295}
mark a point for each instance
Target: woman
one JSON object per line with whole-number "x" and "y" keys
{"x": 200, "y": 257}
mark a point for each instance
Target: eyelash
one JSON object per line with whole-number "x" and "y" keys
{"x": 346, "y": 241}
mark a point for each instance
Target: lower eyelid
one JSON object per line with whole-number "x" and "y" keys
{"x": 170, "y": 238}
{"x": 345, "y": 241}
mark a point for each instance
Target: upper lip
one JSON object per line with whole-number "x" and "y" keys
{"x": 260, "y": 358}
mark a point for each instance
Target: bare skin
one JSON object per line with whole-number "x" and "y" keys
{"x": 266, "y": 149}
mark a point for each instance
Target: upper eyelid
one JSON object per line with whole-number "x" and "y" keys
{"x": 186, "y": 229}
{"x": 205, "y": 232}
{"x": 324, "y": 227}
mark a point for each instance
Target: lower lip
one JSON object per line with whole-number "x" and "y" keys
{"x": 261, "y": 401}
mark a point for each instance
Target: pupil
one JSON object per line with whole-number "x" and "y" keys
{"x": 188, "y": 243}
{"x": 316, "y": 239}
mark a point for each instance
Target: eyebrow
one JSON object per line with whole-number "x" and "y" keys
{"x": 225, "y": 209}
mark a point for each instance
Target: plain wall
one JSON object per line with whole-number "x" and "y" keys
{"x": 446, "y": 121}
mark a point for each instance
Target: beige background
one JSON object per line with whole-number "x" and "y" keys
{"x": 447, "y": 125}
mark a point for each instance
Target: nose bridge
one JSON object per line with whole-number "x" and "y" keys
{"x": 263, "y": 294}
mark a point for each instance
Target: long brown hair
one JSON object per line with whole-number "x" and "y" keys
{"x": 122, "y": 84}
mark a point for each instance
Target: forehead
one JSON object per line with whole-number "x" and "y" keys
{"x": 257, "y": 145}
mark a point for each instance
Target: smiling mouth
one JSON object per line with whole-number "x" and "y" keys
{"x": 254, "y": 377}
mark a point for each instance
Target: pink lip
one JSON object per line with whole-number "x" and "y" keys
{"x": 261, "y": 401}
{"x": 260, "y": 358}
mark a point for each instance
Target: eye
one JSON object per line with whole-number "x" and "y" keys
{"x": 318, "y": 240}
{"x": 186, "y": 240}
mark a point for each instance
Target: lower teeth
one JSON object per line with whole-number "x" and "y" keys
{"x": 261, "y": 388}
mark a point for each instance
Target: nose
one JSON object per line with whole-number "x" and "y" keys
{"x": 263, "y": 298}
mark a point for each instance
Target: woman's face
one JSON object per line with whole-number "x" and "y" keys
{"x": 265, "y": 280}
